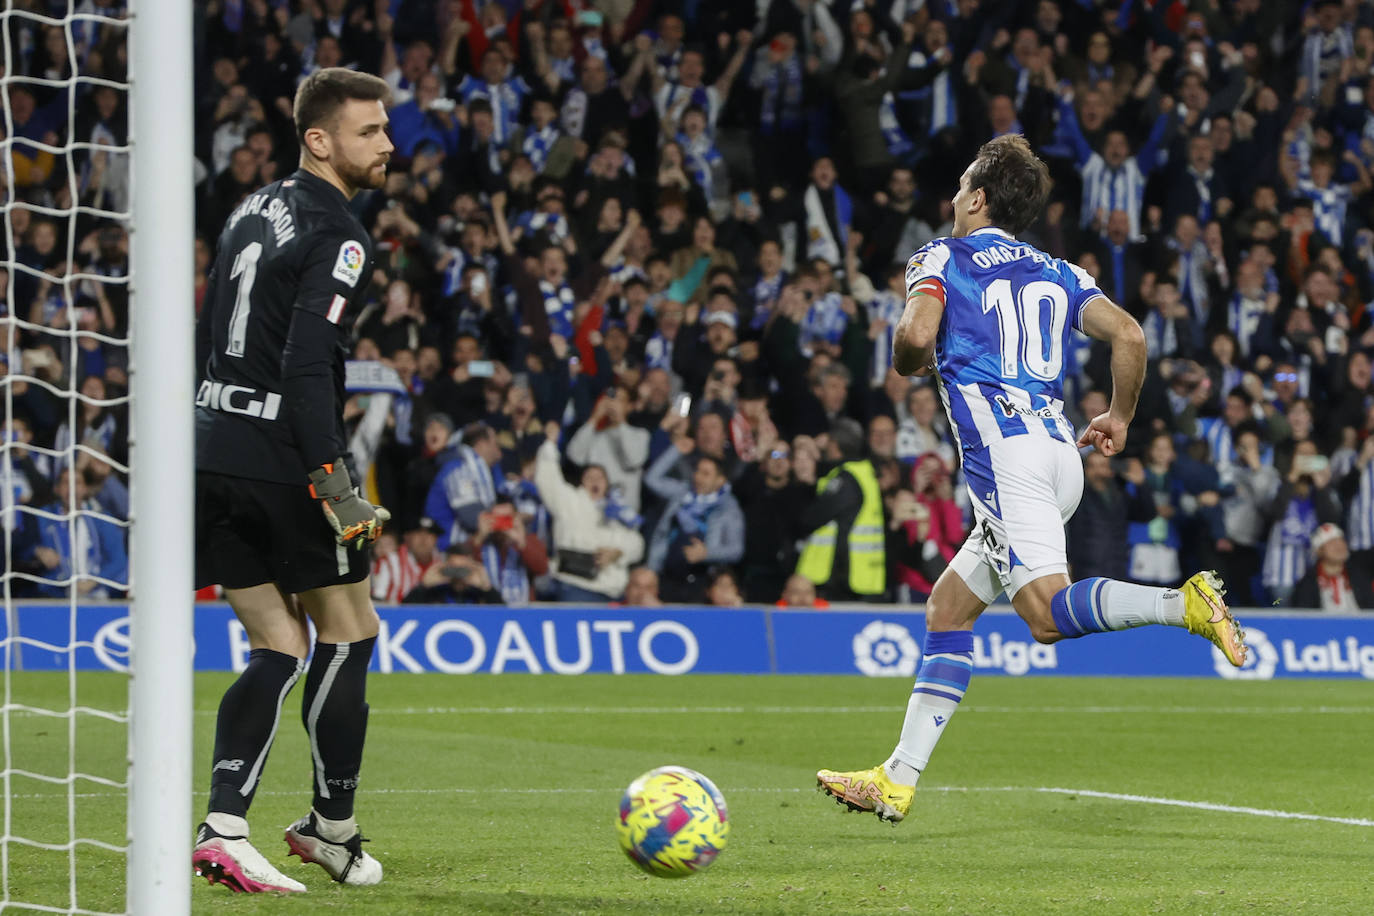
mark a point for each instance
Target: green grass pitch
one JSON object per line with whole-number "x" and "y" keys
{"x": 496, "y": 795}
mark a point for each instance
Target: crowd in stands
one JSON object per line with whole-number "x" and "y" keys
{"x": 639, "y": 263}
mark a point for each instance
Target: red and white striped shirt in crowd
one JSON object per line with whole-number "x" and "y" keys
{"x": 394, "y": 575}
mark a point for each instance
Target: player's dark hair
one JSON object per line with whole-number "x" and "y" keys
{"x": 324, "y": 93}
{"x": 1014, "y": 179}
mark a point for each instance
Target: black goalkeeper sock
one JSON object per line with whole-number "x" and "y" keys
{"x": 334, "y": 711}
{"x": 247, "y": 723}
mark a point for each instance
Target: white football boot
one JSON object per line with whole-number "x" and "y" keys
{"x": 235, "y": 863}
{"x": 345, "y": 862}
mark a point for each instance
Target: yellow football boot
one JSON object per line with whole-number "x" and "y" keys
{"x": 1206, "y": 614}
{"x": 868, "y": 790}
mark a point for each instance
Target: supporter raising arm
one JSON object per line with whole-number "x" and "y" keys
{"x": 546, "y": 301}
{"x": 1114, "y": 179}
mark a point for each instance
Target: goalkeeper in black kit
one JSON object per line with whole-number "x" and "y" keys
{"x": 279, "y": 522}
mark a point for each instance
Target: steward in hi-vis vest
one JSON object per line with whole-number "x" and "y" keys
{"x": 845, "y": 552}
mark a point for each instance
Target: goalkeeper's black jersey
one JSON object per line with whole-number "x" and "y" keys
{"x": 292, "y": 267}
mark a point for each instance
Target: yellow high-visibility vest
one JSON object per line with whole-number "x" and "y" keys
{"x": 867, "y": 547}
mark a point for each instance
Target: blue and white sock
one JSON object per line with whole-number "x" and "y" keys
{"x": 1098, "y": 605}
{"x": 941, "y": 682}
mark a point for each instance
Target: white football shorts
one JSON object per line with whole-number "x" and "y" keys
{"x": 1023, "y": 490}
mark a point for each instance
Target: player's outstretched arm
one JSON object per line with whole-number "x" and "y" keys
{"x": 913, "y": 346}
{"x": 1103, "y": 319}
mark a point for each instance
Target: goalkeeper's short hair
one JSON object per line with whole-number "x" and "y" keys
{"x": 324, "y": 92}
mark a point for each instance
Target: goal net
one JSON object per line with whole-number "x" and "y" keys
{"x": 91, "y": 814}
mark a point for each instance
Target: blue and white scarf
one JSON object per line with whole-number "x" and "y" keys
{"x": 1097, "y": 74}
{"x": 565, "y": 68}
{"x": 825, "y": 321}
{"x": 1161, "y": 337}
{"x": 782, "y": 83}
{"x": 525, "y": 496}
{"x": 887, "y": 307}
{"x": 458, "y": 262}
{"x": 702, "y": 159}
{"x": 556, "y": 225}
{"x": 943, "y": 109}
{"x": 615, "y": 511}
{"x": 1023, "y": 75}
{"x": 694, "y": 514}
{"x": 1285, "y": 556}
{"x": 821, "y": 240}
{"x": 537, "y": 145}
{"x": 592, "y": 45}
{"x": 765, "y": 293}
{"x": 470, "y": 483}
{"x": 1192, "y": 278}
{"x": 658, "y": 353}
{"x": 558, "y": 305}
{"x": 505, "y": 97}
{"x": 1202, "y": 181}
{"x": 1243, "y": 316}
{"x": 507, "y": 574}
{"x": 898, "y": 143}
{"x": 668, "y": 63}
{"x": 621, "y": 272}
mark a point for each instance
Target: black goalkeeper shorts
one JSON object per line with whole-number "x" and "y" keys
{"x": 251, "y": 532}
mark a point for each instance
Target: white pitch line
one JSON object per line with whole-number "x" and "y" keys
{"x": 849, "y": 710}
{"x": 1206, "y": 806}
{"x": 1042, "y": 790}
{"x": 836, "y": 710}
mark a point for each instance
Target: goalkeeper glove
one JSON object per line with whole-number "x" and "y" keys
{"x": 355, "y": 520}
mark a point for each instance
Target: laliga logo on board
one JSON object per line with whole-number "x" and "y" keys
{"x": 1260, "y": 662}
{"x": 1014, "y": 656}
{"x": 112, "y": 644}
{"x": 886, "y": 650}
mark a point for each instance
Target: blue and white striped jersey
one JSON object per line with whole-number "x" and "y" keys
{"x": 1009, "y": 311}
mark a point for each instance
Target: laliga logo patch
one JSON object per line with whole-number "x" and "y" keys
{"x": 1260, "y": 661}
{"x": 886, "y": 650}
{"x": 348, "y": 267}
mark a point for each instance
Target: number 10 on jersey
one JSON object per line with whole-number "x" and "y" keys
{"x": 1024, "y": 347}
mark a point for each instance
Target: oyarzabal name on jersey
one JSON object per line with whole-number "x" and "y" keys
{"x": 1005, "y": 254}
{"x": 277, "y": 213}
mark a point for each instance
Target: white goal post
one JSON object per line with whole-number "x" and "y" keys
{"x": 162, "y": 449}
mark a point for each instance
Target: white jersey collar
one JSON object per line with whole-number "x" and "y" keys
{"x": 994, "y": 230}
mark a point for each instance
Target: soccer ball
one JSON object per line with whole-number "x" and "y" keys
{"x": 672, "y": 822}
